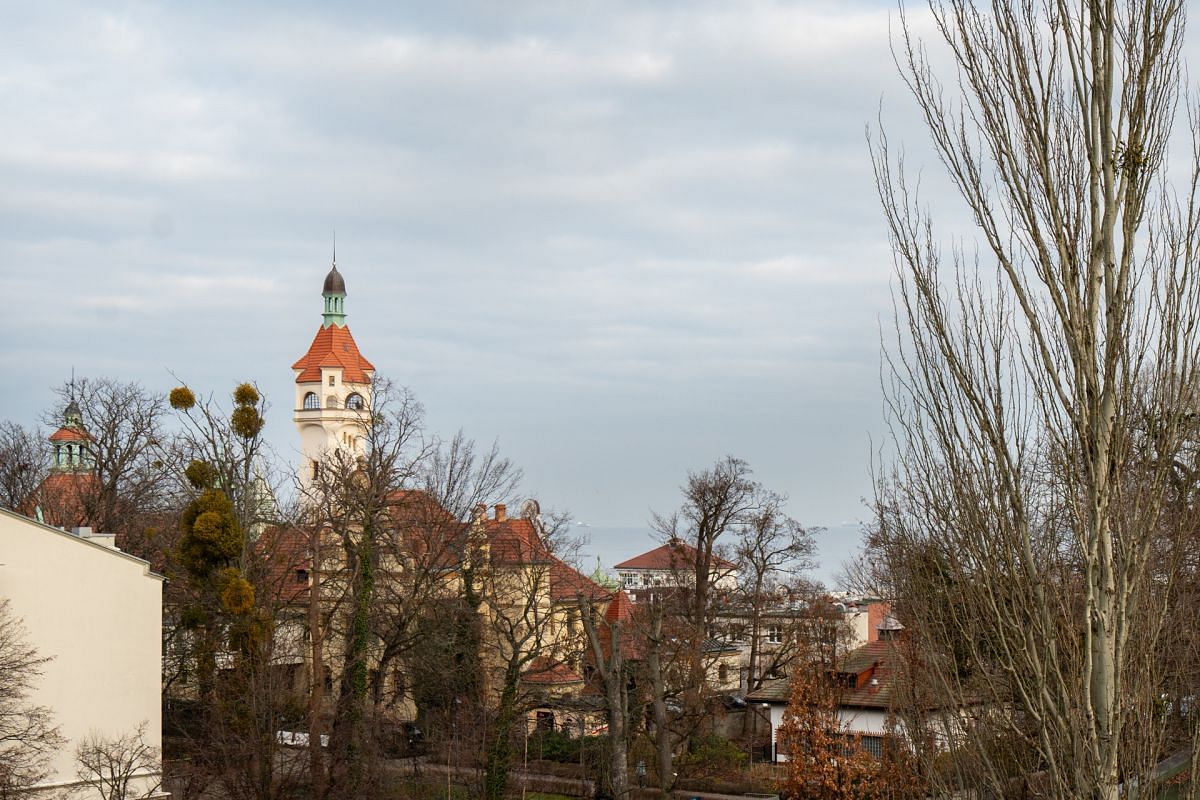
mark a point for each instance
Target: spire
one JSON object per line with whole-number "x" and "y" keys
{"x": 334, "y": 293}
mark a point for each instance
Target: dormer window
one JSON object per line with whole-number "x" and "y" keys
{"x": 332, "y": 380}
{"x": 311, "y": 401}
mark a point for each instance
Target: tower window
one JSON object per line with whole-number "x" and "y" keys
{"x": 332, "y": 380}
{"x": 355, "y": 401}
{"x": 311, "y": 401}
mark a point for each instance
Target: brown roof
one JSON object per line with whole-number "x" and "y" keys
{"x": 871, "y": 668}
{"x": 673, "y": 555}
{"x": 333, "y": 347}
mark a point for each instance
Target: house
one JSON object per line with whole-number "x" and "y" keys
{"x": 671, "y": 566}
{"x": 865, "y": 678}
{"x": 96, "y": 613}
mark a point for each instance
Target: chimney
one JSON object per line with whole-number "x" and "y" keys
{"x": 501, "y": 512}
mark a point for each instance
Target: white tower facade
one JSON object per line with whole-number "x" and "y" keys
{"x": 333, "y": 387}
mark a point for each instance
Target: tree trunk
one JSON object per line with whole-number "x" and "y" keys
{"x": 499, "y": 751}
{"x": 662, "y": 728}
{"x": 316, "y": 688}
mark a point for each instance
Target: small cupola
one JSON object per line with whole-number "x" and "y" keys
{"x": 334, "y": 293}
{"x": 71, "y": 442}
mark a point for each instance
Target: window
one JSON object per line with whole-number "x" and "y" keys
{"x": 301, "y": 576}
{"x": 723, "y": 673}
{"x": 316, "y": 469}
{"x": 333, "y": 380}
{"x": 873, "y": 745}
{"x": 331, "y": 401}
{"x": 355, "y": 402}
{"x": 311, "y": 401}
{"x": 774, "y": 634}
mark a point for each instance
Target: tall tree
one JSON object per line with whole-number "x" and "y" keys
{"x": 124, "y": 424}
{"x": 608, "y": 645}
{"x": 1042, "y": 386}
{"x": 22, "y": 464}
{"x": 28, "y": 736}
{"x": 772, "y": 551}
{"x": 717, "y": 503}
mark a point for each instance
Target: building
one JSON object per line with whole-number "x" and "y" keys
{"x": 96, "y": 613}
{"x": 866, "y": 681}
{"x": 333, "y": 385}
{"x": 424, "y": 548}
{"x": 672, "y": 566}
{"x": 64, "y": 495}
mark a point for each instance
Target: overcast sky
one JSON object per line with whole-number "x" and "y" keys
{"x": 622, "y": 239}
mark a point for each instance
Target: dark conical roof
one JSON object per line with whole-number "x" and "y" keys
{"x": 334, "y": 283}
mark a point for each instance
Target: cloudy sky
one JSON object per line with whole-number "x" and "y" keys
{"x": 624, "y": 240}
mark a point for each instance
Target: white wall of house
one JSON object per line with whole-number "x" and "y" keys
{"x": 97, "y": 613}
{"x": 859, "y": 721}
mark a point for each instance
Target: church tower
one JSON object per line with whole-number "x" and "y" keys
{"x": 333, "y": 386}
{"x": 71, "y": 443}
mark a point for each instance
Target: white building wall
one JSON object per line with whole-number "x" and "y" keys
{"x": 97, "y": 613}
{"x": 860, "y": 721}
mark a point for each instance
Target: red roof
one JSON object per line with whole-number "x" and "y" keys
{"x": 620, "y": 609}
{"x": 62, "y": 497}
{"x": 516, "y": 541}
{"x": 671, "y": 556}
{"x": 333, "y": 347}
{"x": 620, "y": 612}
{"x": 546, "y": 670}
{"x": 70, "y": 434}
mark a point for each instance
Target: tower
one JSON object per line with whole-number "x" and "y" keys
{"x": 71, "y": 443}
{"x": 333, "y": 385}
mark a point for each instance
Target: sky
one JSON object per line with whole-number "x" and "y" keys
{"x": 622, "y": 240}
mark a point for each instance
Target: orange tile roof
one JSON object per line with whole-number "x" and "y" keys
{"x": 546, "y": 670}
{"x": 70, "y": 434}
{"x": 333, "y": 347}
{"x": 516, "y": 541}
{"x": 62, "y": 497}
{"x": 620, "y": 608}
{"x": 620, "y": 611}
{"x": 674, "y": 555}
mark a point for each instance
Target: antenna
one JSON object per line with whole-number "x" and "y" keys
{"x": 335, "y": 247}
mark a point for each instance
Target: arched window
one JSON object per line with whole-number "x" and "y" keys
{"x": 311, "y": 401}
{"x": 355, "y": 402}
{"x": 331, "y": 401}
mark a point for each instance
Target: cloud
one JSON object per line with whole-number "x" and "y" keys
{"x": 653, "y": 218}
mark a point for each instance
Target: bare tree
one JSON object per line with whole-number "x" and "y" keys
{"x": 608, "y": 644}
{"x": 28, "y": 736}
{"x": 121, "y": 768}
{"x": 22, "y": 464}
{"x": 123, "y": 422}
{"x": 772, "y": 550}
{"x": 1042, "y": 386}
